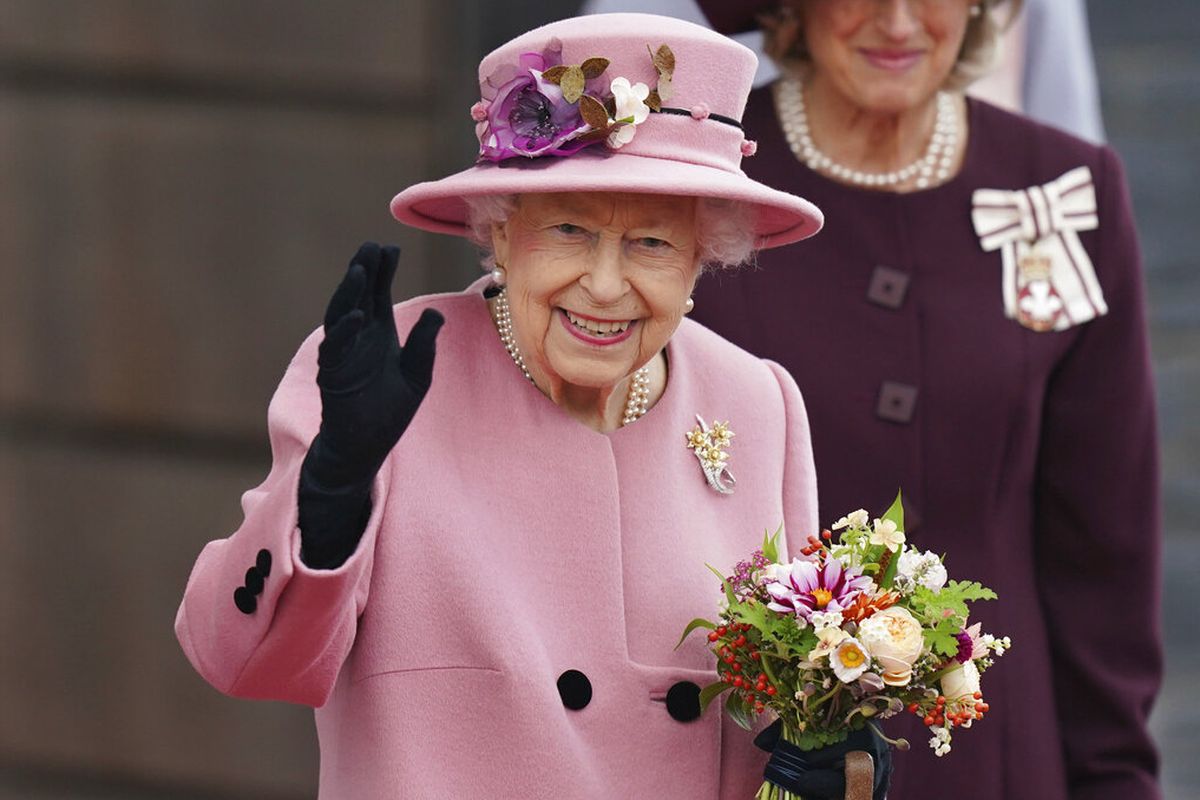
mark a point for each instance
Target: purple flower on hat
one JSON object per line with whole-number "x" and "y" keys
{"x": 526, "y": 114}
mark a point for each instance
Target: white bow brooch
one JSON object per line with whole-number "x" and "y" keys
{"x": 1049, "y": 283}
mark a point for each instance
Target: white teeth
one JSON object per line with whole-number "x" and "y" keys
{"x": 594, "y": 326}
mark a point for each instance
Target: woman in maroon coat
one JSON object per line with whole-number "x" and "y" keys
{"x": 970, "y": 327}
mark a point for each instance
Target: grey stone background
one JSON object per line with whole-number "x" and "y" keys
{"x": 181, "y": 183}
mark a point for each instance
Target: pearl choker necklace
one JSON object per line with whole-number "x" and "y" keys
{"x": 639, "y": 383}
{"x": 932, "y": 167}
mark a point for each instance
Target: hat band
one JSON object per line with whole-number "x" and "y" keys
{"x": 678, "y": 138}
{"x": 692, "y": 112}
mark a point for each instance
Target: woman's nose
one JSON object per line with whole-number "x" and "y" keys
{"x": 604, "y": 279}
{"x": 898, "y": 18}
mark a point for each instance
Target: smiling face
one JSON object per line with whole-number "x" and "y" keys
{"x": 884, "y": 56}
{"x": 597, "y": 282}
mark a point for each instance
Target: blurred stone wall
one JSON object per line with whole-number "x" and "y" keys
{"x": 181, "y": 184}
{"x": 1148, "y": 60}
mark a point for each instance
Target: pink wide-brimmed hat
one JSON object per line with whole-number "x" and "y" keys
{"x": 612, "y": 103}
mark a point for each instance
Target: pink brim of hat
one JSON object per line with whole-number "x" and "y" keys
{"x": 440, "y": 206}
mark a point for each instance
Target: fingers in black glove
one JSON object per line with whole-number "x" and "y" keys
{"x": 820, "y": 774}
{"x": 420, "y": 348}
{"x": 371, "y": 388}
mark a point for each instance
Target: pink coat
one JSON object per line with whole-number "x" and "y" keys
{"x": 509, "y": 544}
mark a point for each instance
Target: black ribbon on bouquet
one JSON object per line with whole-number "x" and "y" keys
{"x": 820, "y": 774}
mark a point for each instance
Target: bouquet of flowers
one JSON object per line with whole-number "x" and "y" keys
{"x": 851, "y": 631}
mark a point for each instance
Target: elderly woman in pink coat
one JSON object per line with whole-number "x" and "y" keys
{"x": 476, "y": 566}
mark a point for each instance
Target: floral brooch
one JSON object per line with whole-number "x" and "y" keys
{"x": 542, "y": 107}
{"x": 708, "y": 444}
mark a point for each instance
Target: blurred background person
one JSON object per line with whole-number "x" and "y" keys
{"x": 1044, "y": 68}
{"x": 970, "y": 326}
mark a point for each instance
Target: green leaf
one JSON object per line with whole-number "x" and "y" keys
{"x": 738, "y": 711}
{"x": 712, "y": 692}
{"x": 969, "y": 591}
{"x": 943, "y": 638}
{"x": 699, "y": 622}
{"x": 765, "y": 659}
{"x": 895, "y": 512}
{"x": 724, "y": 585}
{"x": 770, "y": 546}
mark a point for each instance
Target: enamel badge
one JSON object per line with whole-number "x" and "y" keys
{"x": 1048, "y": 280}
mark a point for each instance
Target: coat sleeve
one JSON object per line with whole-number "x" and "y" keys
{"x": 1097, "y": 530}
{"x": 288, "y": 641}
{"x": 799, "y": 473}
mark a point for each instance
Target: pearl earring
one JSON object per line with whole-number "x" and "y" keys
{"x": 976, "y": 9}
{"x": 689, "y": 305}
{"x": 499, "y": 275}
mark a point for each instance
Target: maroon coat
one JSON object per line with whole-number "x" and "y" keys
{"x": 1029, "y": 458}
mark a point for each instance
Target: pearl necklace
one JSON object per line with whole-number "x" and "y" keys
{"x": 932, "y": 167}
{"x": 639, "y": 384}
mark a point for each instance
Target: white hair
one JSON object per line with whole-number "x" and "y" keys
{"x": 724, "y": 228}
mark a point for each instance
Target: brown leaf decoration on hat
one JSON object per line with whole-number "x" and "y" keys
{"x": 664, "y": 65}
{"x": 664, "y": 60}
{"x": 593, "y": 67}
{"x": 571, "y": 84}
{"x": 594, "y": 136}
{"x": 610, "y": 105}
{"x": 593, "y": 113}
{"x": 554, "y": 74}
{"x": 654, "y": 101}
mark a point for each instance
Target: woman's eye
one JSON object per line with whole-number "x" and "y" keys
{"x": 569, "y": 229}
{"x": 652, "y": 243}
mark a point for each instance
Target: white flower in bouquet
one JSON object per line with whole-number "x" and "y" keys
{"x": 894, "y": 638}
{"x": 825, "y": 619}
{"x": 962, "y": 681}
{"x": 774, "y": 573}
{"x": 855, "y": 519}
{"x": 923, "y": 568}
{"x": 827, "y": 641}
{"x": 850, "y": 660}
{"x": 940, "y": 741}
{"x": 887, "y": 534}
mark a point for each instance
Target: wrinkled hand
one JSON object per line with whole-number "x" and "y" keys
{"x": 370, "y": 386}
{"x": 820, "y": 774}
{"x": 370, "y": 389}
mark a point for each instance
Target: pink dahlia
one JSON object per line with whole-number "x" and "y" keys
{"x": 808, "y": 586}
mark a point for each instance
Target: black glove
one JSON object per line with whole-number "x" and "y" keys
{"x": 370, "y": 390}
{"x": 820, "y": 774}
